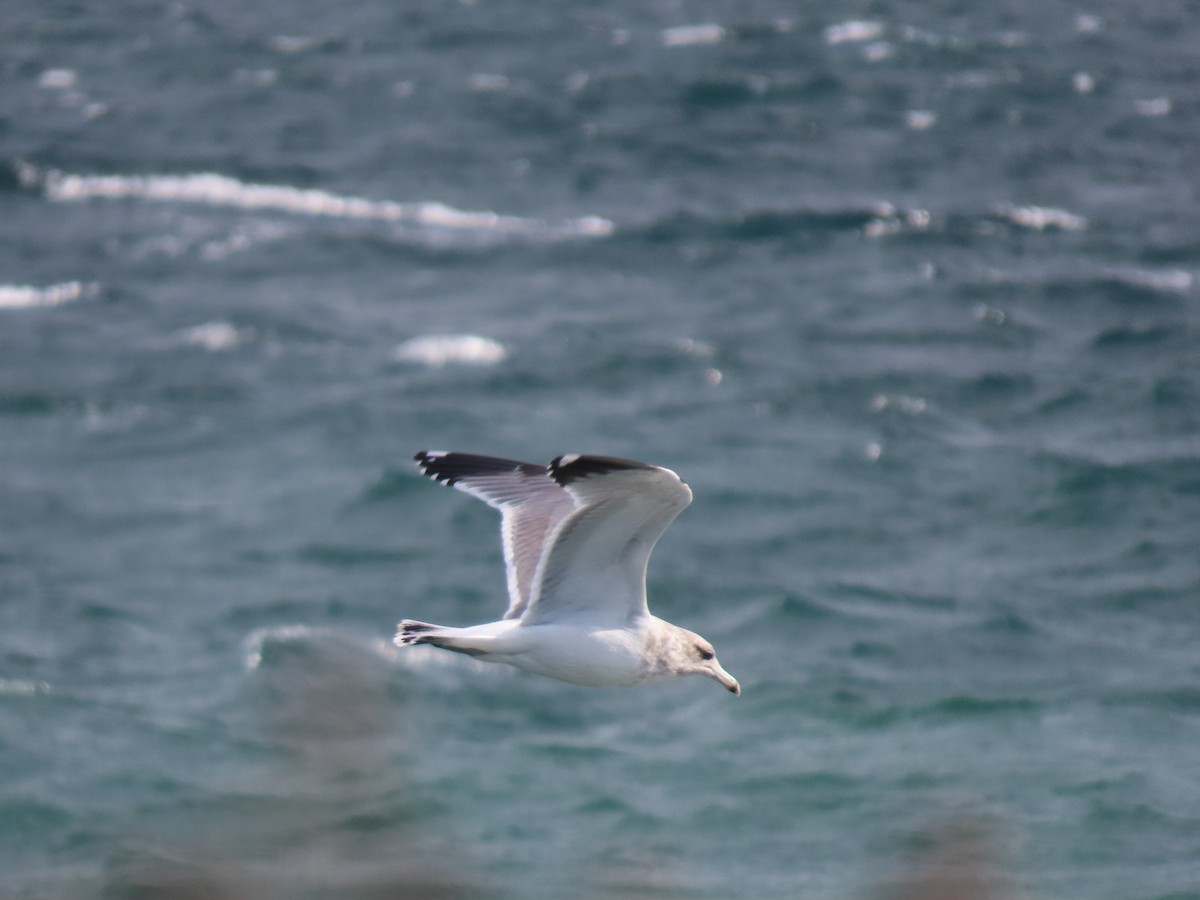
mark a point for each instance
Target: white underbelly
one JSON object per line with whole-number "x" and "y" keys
{"x": 596, "y": 658}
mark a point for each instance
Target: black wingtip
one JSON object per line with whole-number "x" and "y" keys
{"x": 449, "y": 467}
{"x": 429, "y": 462}
{"x": 573, "y": 466}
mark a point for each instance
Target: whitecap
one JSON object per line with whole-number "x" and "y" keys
{"x": 212, "y": 336}
{"x": 243, "y": 238}
{"x": 920, "y": 119}
{"x": 58, "y": 79}
{"x": 485, "y": 82}
{"x": 889, "y": 220}
{"x": 24, "y": 296}
{"x": 1042, "y": 218}
{"x": 1167, "y": 281}
{"x": 693, "y": 347}
{"x": 445, "y": 349}
{"x": 992, "y": 315}
{"x": 19, "y": 687}
{"x": 288, "y": 43}
{"x": 691, "y": 35}
{"x": 212, "y": 189}
{"x": 877, "y": 51}
{"x": 853, "y": 31}
{"x": 1153, "y": 107}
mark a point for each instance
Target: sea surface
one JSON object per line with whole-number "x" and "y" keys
{"x": 907, "y": 292}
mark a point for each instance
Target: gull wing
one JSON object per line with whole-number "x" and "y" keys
{"x": 532, "y": 505}
{"x": 594, "y": 565}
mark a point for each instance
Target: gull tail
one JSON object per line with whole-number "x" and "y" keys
{"x": 412, "y": 632}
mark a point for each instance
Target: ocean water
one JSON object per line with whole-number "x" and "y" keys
{"x": 906, "y": 292}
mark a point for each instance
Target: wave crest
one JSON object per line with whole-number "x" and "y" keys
{"x": 212, "y": 189}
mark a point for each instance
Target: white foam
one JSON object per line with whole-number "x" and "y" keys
{"x": 877, "y": 51}
{"x": 484, "y": 82}
{"x": 288, "y": 43}
{"x": 693, "y": 347}
{"x": 24, "y": 296}
{"x": 992, "y": 315}
{"x": 446, "y": 349}
{"x": 852, "y": 31}
{"x": 1154, "y": 106}
{"x": 692, "y": 35}
{"x": 244, "y": 237}
{"x": 19, "y": 687}
{"x": 212, "y": 336}
{"x": 1041, "y": 218}
{"x": 1167, "y": 281}
{"x": 58, "y": 79}
{"x": 212, "y": 189}
{"x": 889, "y": 220}
{"x": 920, "y": 119}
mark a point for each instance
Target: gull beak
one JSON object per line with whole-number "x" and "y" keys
{"x": 724, "y": 679}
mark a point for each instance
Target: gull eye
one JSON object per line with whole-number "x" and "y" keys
{"x": 705, "y": 654}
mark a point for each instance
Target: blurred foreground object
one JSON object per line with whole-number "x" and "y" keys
{"x": 329, "y": 818}
{"x": 957, "y": 860}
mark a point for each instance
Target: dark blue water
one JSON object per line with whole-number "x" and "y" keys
{"x": 907, "y": 293}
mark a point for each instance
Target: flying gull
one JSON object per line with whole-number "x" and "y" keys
{"x": 577, "y": 537}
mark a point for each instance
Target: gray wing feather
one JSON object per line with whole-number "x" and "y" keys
{"x": 594, "y": 566}
{"x": 531, "y": 504}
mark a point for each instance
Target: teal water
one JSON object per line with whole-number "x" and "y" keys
{"x": 906, "y": 294}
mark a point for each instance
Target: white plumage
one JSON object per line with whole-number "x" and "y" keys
{"x": 577, "y": 538}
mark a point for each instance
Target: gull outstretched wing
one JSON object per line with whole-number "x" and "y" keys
{"x": 594, "y": 564}
{"x": 532, "y": 505}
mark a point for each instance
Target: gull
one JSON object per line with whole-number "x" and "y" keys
{"x": 577, "y": 537}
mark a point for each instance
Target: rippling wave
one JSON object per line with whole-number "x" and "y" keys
{"x": 211, "y": 189}
{"x": 24, "y": 296}
{"x": 906, "y": 292}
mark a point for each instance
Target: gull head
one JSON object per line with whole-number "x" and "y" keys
{"x": 689, "y": 654}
